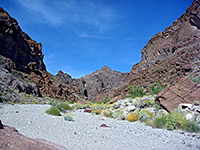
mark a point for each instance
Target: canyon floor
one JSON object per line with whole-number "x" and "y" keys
{"x": 85, "y": 131}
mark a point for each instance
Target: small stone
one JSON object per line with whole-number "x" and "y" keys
{"x": 130, "y": 108}
{"x": 188, "y": 116}
{"x": 87, "y": 110}
{"x": 104, "y": 125}
{"x": 116, "y": 106}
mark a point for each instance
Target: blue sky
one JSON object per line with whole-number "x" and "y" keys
{"x": 81, "y": 36}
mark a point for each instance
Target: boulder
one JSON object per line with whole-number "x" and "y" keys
{"x": 11, "y": 139}
{"x": 130, "y": 108}
{"x": 182, "y": 91}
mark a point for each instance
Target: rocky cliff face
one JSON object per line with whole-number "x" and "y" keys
{"x": 22, "y": 55}
{"x": 18, "y": 46}
{"x": 184, "y": 33}
{"x": 99, "y": 82}
{"x": 173, "y": 53}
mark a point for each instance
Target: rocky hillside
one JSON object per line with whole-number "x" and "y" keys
{"x": 173, "y": 53}
{"x": 22, "y": 67}
{"x": 18, "y": 46}
{"x": 100, "y": 81}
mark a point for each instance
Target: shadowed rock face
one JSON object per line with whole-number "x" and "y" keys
{"x": 18, "y": 46}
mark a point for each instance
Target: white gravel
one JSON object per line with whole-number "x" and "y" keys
{"x": 85, "y": 132}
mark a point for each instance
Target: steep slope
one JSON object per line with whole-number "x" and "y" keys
{"x": 100, "y": 81}
{"x": 18, "y": 46}
{"x": 173, "y": 53}
{"x": 22, "y": 57}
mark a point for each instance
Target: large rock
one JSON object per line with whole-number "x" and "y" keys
{"x": 182, "y": 91}
{"x": 11, "y": 139}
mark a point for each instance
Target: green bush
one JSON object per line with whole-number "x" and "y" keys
{"x": 107, "y": 100}
{"x": 191, "y": 126}
{"x": 159, "y": 122}
{"x": 64, "y": 106}
{"x": 156, "y": 88}
{"x": 174, "y": 120}
{"x": 53, "y": 111}
{"x": 118, "y": 114}
{"x": 143, "y": 116}
{"x": 107, "y": 113}
{"x": 195, "y": 79}
{"x": 68, "y": 117}
{"x": 136, "y": 91}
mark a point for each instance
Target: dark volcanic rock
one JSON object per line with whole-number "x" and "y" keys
{"x": 18, "y": 46}
{"x": 182, "y": 91}
{"x": 11, "y": 139}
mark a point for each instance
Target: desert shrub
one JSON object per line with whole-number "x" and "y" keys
{"x": 64, "y": 106}
{"x": 76, "y": 106}
{"x": 96, "y": 111}
{"x": 159, "y": 122}
{"x": 190, "y": 126}
{"x": 131, "y": 117}
{"x": 98, "y": 106}
{"x": 53, "y": 102}
{"x": 143, "y": 116}
{"x": 107, "y": 113}
{"x": 22, "y": 103}
{"x": 118, "y": 114}
{"x": 136, "y": 91}
{"x": 156, "y": 88}
{"x": 88, "y": 102}
{"x": 68, "y": 117}
{"x": 174, "y": 120}
{"x": 53, "y": 111}
{"x": 107, "y": 100}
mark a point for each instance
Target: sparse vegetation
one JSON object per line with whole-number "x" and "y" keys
{"x": 131, "y": 117}
{"x": 195, "y": 79}
{"x": 191, "y": 126}
{"x": 68, "y": 117}
{"x": 156, "y": 88}
{"x": 136, "y": 91}
{"x": 53, "y": 111}
{"x": 107, "y": 100}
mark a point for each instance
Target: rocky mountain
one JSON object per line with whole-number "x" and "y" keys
{"x": 173, "y": 53}
{"x": 22, "y": 67}
{"x": 18, "y": 46}
{"x": 100, "y": 81}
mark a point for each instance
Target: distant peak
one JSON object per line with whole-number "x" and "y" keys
{"x": 60, "y": 72}
{"x": 106, "y": 68}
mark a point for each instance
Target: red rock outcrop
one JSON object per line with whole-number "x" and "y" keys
{"x": 11, "y": 139}
{"x": 170, "y": 54}
{"x": 182, "y": 91}
{"x": 182, "y": 34}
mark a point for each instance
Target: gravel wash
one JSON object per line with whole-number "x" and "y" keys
{"x": 85, "y": 132}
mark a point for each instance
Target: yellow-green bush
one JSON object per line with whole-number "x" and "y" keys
{"x": 107, "y": 113}
{"x": 131, "y": 117}
{"x": 190, "y": 126}
{"x": 53, "y": 111}
{"x": 96, "y": 111}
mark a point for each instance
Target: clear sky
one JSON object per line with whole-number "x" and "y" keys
{"x": 81, "y": 36}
